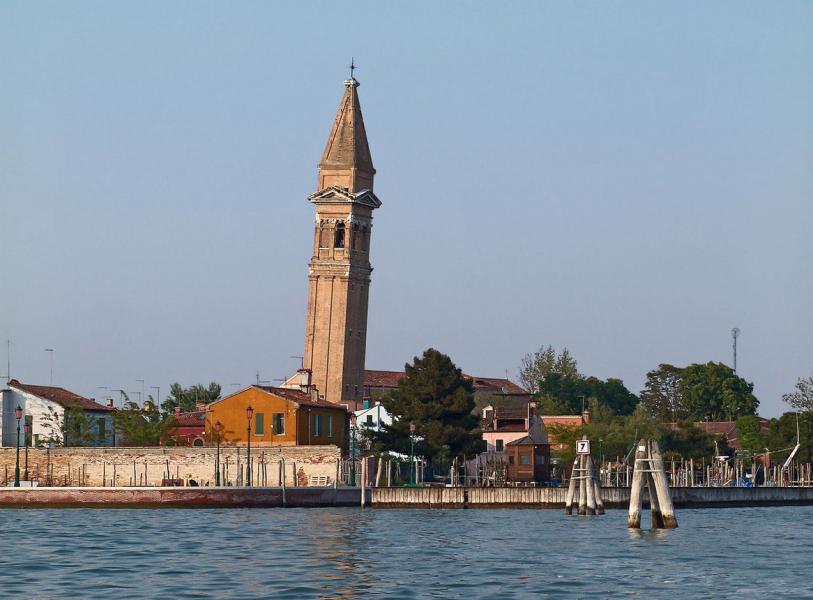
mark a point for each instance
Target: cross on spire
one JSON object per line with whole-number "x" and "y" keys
{"x": 352, "y": 66}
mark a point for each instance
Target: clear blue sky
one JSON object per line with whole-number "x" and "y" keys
{"x": 628, "y": 180}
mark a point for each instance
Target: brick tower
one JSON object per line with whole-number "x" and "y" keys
{"x": 339, "y": 271}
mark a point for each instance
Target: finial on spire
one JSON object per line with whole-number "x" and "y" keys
{"x": 352, "y": 81}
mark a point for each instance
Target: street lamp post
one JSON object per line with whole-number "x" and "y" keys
{"x": 18, "y": 414}
{"x": 249, "y": 415}
{"x": 27, "y": 430}
{"x": 353, "y": 449}
{"x": 218, "y": 429}
{"x": 412, "y": 453}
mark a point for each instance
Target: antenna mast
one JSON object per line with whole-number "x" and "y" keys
{"x": 735, "y": 333}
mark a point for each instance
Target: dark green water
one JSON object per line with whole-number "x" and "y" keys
{"x": 349, "y": 553}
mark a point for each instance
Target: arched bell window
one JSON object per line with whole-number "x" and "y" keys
{"x": 338, "y": 241}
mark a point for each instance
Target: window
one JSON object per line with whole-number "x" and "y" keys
{"x": 259, "y": 424}
{"x": 324, "y": 237}
{"x": 317, "y": 425}
{"x": 102, "y": 433}
{"x": 279, "y": 424}
{"x": 498, "y": 445}
{"x": 510, "y": 460}
{"x": 330, "y": 426}
{"x": 370, "y": 420}
{"x": 525, "y": 459}
{"x": 197, "y": 443}
{"x": 338, "y": 240}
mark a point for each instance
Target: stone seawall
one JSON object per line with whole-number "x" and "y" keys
{"x": 683, "y": 497}
{"x": 435, "y": 497}
{"x": 110, "y": 467}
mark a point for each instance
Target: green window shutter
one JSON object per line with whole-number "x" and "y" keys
{"x": 317, "y": 428}
{"x": 279, "y": 424}
{"x": 330, "y": 426}
{"x": 259, "y": 423}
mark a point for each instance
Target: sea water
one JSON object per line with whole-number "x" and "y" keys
{"x": 402, "y": 553}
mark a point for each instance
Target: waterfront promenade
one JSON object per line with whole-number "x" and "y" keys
{"x": 392, "y": 497}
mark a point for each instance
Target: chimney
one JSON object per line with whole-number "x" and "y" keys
{"x": 177, "y": 411}
{"x": 304, "y": 380}
{"x": 110, "y": 402}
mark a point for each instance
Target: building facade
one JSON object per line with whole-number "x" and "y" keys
{"x": 44, "y": 410}
{"x": 339, "y": 269}
{"x": 279, "y": 417}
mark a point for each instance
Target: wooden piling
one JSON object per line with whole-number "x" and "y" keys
{"x": 582, "y": 487}
{"x": 634, "y": 517}
{"x": 599, "y": 501}
{"x": 571, "y": 488}
{"x": 587, "y": 483}
{"x": 662, "y": 487}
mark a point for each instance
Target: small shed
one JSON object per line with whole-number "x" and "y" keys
{"x": 528, "y": 457}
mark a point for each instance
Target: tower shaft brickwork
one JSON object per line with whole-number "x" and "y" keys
{"x": 339, "y": 270}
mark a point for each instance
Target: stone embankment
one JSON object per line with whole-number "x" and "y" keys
{"x": 435, "y": 497}
{"x": 112, "y": 467}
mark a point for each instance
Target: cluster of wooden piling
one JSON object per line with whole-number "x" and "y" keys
{"x": 584, "y": 486}
{"x": 649, "y": 469}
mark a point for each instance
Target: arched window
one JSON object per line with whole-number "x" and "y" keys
{"x": 324, "y": 236}
{"x": 338, "y": 240}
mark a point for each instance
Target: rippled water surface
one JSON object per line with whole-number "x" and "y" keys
{"x": 349, "y": 553}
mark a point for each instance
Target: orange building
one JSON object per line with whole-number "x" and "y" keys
{"x": 279, "y": 417}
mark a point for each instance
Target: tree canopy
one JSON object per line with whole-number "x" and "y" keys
{"x": 535, "y": 366}
{"x": 713, "y": 391}
{"x": 189, "y": 398}
{"x": 801, "y": 398}
{"x": 662, "y": 396}
{"x": 137, "y": 426}
{"x": 564, "y": 394}
{"x": 436, "y": 397}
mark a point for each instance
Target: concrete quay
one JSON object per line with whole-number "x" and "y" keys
{"x": 394, "y": 497}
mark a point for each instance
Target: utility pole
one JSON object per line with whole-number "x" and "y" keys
{"x": 143, "y": 396}
{"x": 51, "y": 360}
{"x": 8, "y": 361}
{"x": 735, "y": 333}
{"x": 157, "y": 389}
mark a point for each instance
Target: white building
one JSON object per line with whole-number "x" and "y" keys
{"x": 373, "y": 417}
{"x": 44, "y": 409}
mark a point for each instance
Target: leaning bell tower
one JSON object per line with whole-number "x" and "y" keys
{"x": 339, "y": 269}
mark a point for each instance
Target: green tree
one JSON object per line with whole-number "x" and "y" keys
{"x": 436, "y": 397}
{"x": 75, "y": 428}
{"x": 689, "y": 441}
{"x": 535, "y": 366}
{"x": 713, "y": 391}
{"x": 749, "y": 434}
{"x": 801, "y": 398}
{"x": 781, "y": 436}
{"x": 137, "y": 426}
{"x": 189, "y": 398}
{"x": 662, "y": 396}
{"x": 568, "y": 394}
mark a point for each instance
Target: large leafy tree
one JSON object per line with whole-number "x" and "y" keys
{"x": 137, "y": 426}
{"x": 781, "y": 436}
{"x": 436, "y": 397}
{"x": 535, "y": 366}
{"x": 662, "y": 396}
{"x": 189, "y": 398}
{"x": 566, "y": 394}
{"x": 801, "y": 398}
{"x": 749, "y": 434}
{"x": 713, "y": 391}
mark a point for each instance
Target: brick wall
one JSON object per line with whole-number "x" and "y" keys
{"x": 148, "y": 466}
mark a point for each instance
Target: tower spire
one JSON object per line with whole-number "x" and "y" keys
{"x": 346, "y": 161}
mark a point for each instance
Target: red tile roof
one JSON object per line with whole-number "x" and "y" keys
{"x": 389, "y": 379}
{"x": 382, "y": 379}
{"x": 190, "y": 419}
{"x": 61, "y": 396}
{"x": 301, "y": 398}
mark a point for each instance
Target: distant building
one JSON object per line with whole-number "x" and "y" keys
{"x": 724, "y": 429}
{"x": 528, "y": 457}
{"x": 281, "y": 417}
{"x": 565, "y": 421}
{"x": 373, "y": 417}
{"x": 44, "y": 408}
{"x": 380, "y": 383}
{"x": 189, "y": 428}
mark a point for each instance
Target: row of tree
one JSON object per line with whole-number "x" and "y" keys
{"x": 710, "y": 391}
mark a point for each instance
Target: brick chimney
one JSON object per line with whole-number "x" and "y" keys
{"x": 177, "y": 411}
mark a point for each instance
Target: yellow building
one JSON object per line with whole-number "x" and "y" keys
{"x": 278, "y": 417}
